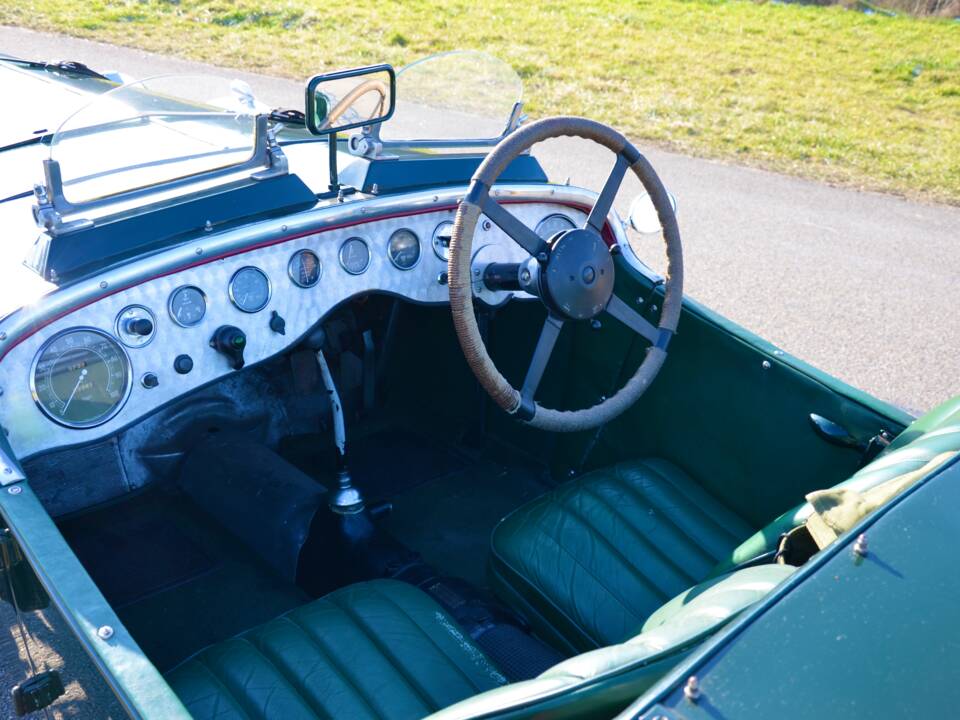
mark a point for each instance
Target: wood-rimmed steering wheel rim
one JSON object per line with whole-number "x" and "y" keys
{"x": 480, "y": 201}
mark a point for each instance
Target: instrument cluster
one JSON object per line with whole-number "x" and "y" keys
{"x": 102, "y": 366}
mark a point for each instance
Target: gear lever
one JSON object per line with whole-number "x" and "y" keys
{"x": 347, "y": 500}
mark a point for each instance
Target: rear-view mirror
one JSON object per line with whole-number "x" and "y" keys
{"x": 350, "y": 98}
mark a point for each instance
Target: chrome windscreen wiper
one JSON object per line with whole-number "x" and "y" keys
{"x": 68, "y": 67}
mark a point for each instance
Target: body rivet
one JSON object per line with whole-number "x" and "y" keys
{"x": 15, "y": 490}
{"x": 207, "y": 226}
{"x": 860, "y": 546}
{"x": 691, "y": 691}
{"x": 766, "y": 365}
{"x": 104, "y": 632}
{"x": 103, "y": 284}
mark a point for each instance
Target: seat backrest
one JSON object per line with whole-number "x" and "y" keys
{"x": 604, "y": 681}
{"x": 929, "y": 436}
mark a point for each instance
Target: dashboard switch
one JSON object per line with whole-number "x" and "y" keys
{"x": 277, "y": 323}
{"x": 149, "y": 380}
{"x": 230, "y": 341}
{"x": 139, "y": 326}
{"x": 135, "y": 326}
{"x": 183, "y": 364}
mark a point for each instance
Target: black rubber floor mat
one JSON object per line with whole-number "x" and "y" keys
{"x": 449, "y": 519}
{"x": 134, "y": 552}
{"x": 177, "y": 580}
{"x": 383, "y": 464}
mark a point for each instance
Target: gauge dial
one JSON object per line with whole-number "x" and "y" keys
{"x": 187, "y": 305}
{"x": 305, "y": 268}
{"x": 354, "y": 255}
{"x": 403, "y": 249}
{"x": 553, "y": 224}
{"x": 249, "y": 289}
{"x": 441, "y": 240}
{"x": 80, "y": 377}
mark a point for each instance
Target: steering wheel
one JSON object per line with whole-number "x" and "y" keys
{"x": 572, "y": 273}
{"x": 355, "y": 94}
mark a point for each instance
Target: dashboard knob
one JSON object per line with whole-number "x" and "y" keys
{"x": 183, "y": 364}
{"x": 230, "y": 341}
{"x": 278, "y": 324}
{"x": 150, "y": 380}
{"x": 139, "y": 326}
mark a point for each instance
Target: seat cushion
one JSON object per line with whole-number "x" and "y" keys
{"x": 380, "y": 649}
{"x": 589, "y": 562}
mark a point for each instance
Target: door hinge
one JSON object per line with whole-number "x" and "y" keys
{"x": 36, "y": 693}
{"x": 19, "y": 585}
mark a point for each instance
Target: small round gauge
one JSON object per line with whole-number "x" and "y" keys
{"x": 403, "y": 249}
{"x": 80, "y": 377}
{"x": 187, "y": 305}
{"x": 305, "y": 268}
{"x": 441, "y": 240}
{"x": 249, "y": 289}
{"x": 354, "y": 255}
{"x": 553, "y": 224}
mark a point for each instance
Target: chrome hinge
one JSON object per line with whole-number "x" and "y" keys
{"x": 37, "y": 692}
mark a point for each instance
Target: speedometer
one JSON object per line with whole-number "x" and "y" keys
{"x": 80, "y": 377}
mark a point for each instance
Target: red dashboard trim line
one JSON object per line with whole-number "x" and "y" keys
{"x": 268, "y": 243}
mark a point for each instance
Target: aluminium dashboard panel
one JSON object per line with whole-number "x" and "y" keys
{"x": 31, "y": 432}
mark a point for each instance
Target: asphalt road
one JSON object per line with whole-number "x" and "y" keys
{"x": 860, "y": 284}
{"x": 863, "y": 285}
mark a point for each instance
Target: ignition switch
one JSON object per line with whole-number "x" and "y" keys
{"x": 230, "y": 341}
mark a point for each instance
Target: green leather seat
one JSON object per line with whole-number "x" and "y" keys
{"x": 380, "y": 649}
{"x": 588, "y": 563}
{"x": 384, "y": 649}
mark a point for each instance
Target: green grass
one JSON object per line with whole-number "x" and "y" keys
{"x": 867, "y": 101}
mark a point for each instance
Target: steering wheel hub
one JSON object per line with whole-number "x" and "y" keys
{"x": 573, "y": 274}
{"x": 578, "y": 278}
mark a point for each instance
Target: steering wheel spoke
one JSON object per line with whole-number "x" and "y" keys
{"x": 601, "y": 208}
{"x": 573, "y": 276}
{"x": 632, "y": 319}
{"x": 512, "y": 226}
{"x": 541, "y": 356}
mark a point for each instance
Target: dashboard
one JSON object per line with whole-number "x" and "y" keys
{"x": 108, "y": 361}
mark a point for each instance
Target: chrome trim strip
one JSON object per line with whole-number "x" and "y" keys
{"x": 28, "y": 320}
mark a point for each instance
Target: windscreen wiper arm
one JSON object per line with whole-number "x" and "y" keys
{"x": 71, "y": 67}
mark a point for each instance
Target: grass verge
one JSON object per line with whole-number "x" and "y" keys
{"x": 822, "y": 92}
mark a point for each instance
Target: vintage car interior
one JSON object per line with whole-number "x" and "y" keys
{"x": 400, "y": 428}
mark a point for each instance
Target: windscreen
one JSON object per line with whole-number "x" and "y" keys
{"x": 453, "y": 96}
{"x": 153, "y": 131}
